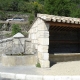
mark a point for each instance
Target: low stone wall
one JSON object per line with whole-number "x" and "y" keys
{"x": 8, "y": 60}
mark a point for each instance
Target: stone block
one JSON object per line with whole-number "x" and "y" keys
{"x": 42, "y": 48}
{"x": 15, "y": 41}
{"x": 19, "y": 60}
{"x": 36, "y": 46}
{"x": 43, "y": 34}
{"x": 34, "y": 41}
{"x": 21, "y": 76}
{"x": 40, "y": 55}
{"x": 46, "y": 56}
{"x": 34, "y": 77}
{"x": 63, "y": 78}
{"x": 43, "y": 41}
{"x": 48, "y": 77}
{"x": 8, "y": 61}
{"x": 75, "y": 78}
{"x": 35, "y": 30}
{"x": 39, "y": 21}
{"x": 57, "y": 78}
{"x": 43, "y": 26}
{"x": 33, "y": 36}
{"x": 44, "y": 63}
{"x": 8, "y": 75}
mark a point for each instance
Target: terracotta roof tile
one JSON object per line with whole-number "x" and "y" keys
{"x": 63, "y": 19}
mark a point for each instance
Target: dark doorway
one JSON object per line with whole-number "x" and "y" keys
{"x": 64, "y": 40}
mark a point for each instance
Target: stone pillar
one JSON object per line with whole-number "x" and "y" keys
{"x": 43, "y": 42}
{"x": 39, "y": 34}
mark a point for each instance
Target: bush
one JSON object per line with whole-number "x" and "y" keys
{"x": 31, "y": 18}
{"x": 15, "y": 29}
{"x": 38, "y": 65}
{"x": 3, "y": 15}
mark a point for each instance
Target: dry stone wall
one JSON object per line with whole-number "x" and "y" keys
{"x": 15, "y": 46}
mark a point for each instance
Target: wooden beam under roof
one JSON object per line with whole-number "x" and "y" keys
{"x": 52, "y": 24}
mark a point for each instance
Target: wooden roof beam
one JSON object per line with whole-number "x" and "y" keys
{"x": 63, "y": 24}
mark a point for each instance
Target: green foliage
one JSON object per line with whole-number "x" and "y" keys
{"x": 3, "y": 15}
{"x": 31, "y": 18}
{"x": 38, "y": 65}
{"x": 54, "y": 7}
{"x": 62, "y": 8}
{"x": 15, "y": 29}
{"x": 37, "y": 8}
{"x": 8, "y": 35}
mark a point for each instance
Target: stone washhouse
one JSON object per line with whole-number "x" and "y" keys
{"x": 55, "y": 38}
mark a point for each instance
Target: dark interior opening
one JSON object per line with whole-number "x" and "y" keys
{"x": 64, "y": 40}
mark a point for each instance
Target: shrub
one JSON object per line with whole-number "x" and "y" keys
{"x": 31, "y": 18}
{"x": 38, "y": 65}
{"x": 15, "y": 29}
{"x": 3, "y": 15}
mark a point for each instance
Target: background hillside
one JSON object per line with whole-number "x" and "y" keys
{"x": 55, "y": 7}
{"x": 28, "y": 10}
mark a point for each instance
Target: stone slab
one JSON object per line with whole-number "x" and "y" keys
{"x": 19, "y": 60}
{"x": 21, "y": 76}
{"x": 45, "y": 77}
{"x": 8, "y": 75}
{"x": 34, "y": 77}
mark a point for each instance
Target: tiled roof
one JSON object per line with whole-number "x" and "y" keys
{"x": 62, "y": 19}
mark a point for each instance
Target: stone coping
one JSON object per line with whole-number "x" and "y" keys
{"x": 5, "y": 40}
{"x": 15, "y": 76}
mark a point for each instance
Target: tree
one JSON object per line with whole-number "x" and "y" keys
{"x": 22, "y": 6}
{"x": 61, "y": 7}
{"x": 38, "y": 8}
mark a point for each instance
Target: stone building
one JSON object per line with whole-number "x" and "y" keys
{"x": 55, "y": 36}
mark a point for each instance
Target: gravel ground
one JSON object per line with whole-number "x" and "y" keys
{"x": 59, "y": 69}
{"x": 63, "y": 68}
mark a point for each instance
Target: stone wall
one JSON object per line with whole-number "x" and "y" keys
{"x": 39, "y": 36}
{"x": 15, "y": 46}
{"x": 4, "y": 45}
{"x": 8, "y": 60}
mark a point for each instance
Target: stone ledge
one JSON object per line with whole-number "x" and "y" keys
{"x": 64, "y": 57}
{"x": 18, "y": 60}
{"x": 8, "y": 75}
{"x": 21, "y": 76}
{"x": 36, "y": 77}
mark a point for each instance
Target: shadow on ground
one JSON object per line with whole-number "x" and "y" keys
{"x": 52, "y": 63}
